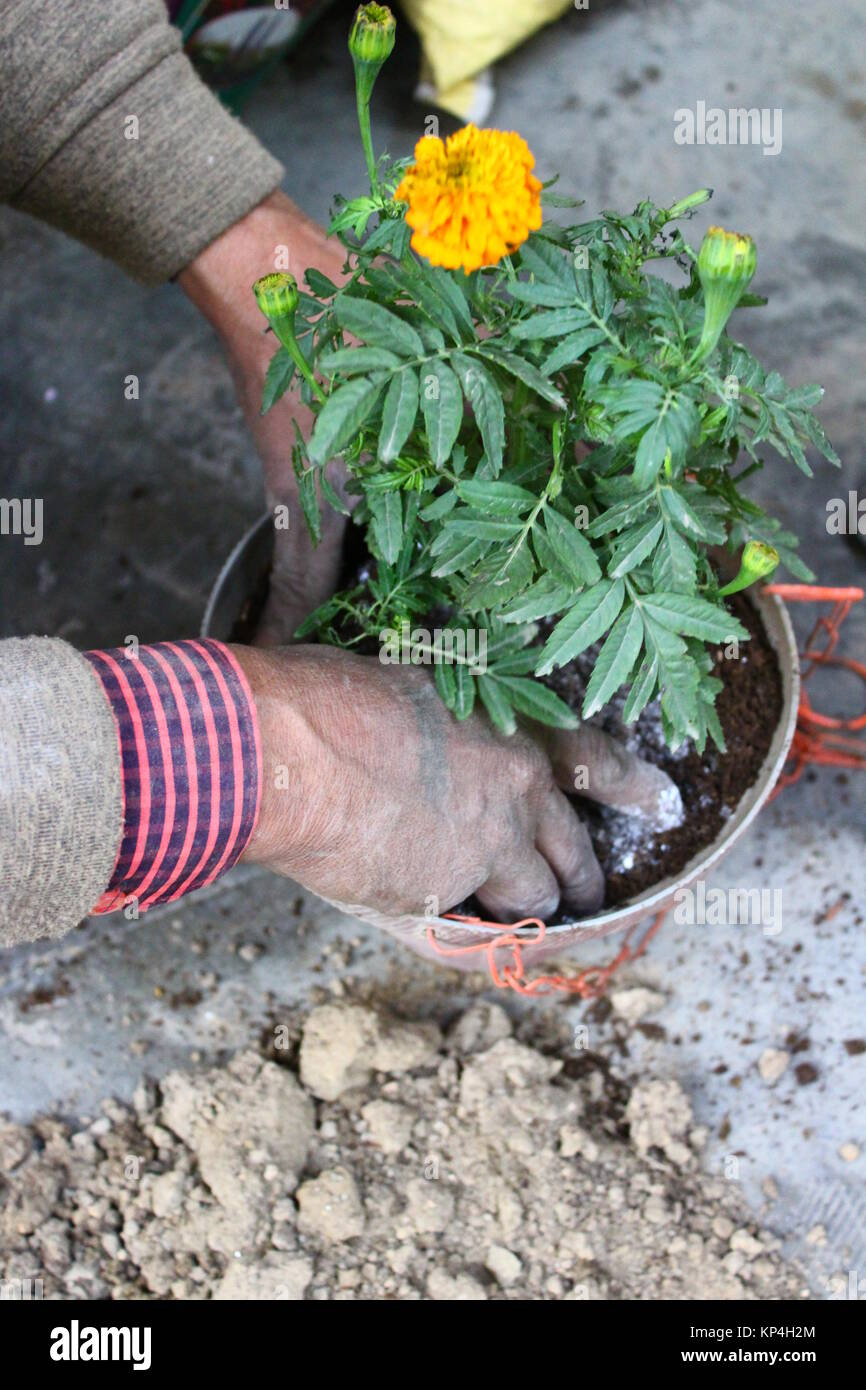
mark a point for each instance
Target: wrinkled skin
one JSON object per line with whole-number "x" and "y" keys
{"x": 375, "y": 795}
{"x": 219, "y": 282}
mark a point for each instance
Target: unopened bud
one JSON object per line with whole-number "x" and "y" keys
{"x": 371, "y": 38}
{"x": 276, "y": 295}
{"x": 758, "y": 560}
{"x": 726, "y": 264}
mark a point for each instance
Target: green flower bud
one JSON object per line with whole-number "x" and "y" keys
{"x": 757, "y": 561}
{"x": 694, "y": 200}
{"x": 371, "y": 38}
{"x": 276, "y": 295}
{"x": 726, "y": 264}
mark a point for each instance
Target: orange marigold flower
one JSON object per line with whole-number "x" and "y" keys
{"x": 473, "y": 199}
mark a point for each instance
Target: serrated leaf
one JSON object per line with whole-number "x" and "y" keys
{"x": 377, "y": 326}
{"x": 398, "y": 413}
{"x": 341, "y": 417}
{"x": 481, "y": 392}
{"x": 278, "y": 378}
{"x": 461, "y": 552}
{"x": 350, "y": 361}
{"x": 525, "y": 372}
{"x": 674, "y": 564}
{"x": 681, "y": 514}
{"x": 443, "y": 677}
{"x": 545, "y": 597}
{"x": 439, "y": 507}
{"x": 572, "y": 348}
{"x": 672, "y": 429}
{"x": 545, "y": 262}
{"x": 615, "y": 660}
{"x": 550, "y": 323}
{"x": 588, "y": 619}
{"x": 496, "y": 703}
{"x": 465, "y": 683}
{"x": 545, "y": 295}
{"x": 642, "y": 690}
{"x": 633, "y": 547}
{"x": 331, "y": 496}
{"x": 621, "y": 515}
{"x": 442, "y": 408}
{"x": 386, "y": 509}
{"x": 497, "y": 498}
{"x": 532, "y": 698}
{"x": 573, "y": 550}
{"x": 694, "y": 617}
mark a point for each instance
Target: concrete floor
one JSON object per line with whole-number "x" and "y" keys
{"x": 143, "y": 499}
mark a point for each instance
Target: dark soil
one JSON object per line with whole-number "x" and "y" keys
{"x": 749, "y": 707}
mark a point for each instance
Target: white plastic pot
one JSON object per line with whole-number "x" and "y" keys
{"x": 240, "y": 576}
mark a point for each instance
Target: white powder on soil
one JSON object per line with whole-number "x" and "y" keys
{"x": 401, "y": 1165}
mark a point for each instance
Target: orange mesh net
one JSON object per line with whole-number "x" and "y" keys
{"x": 820, "y": 739}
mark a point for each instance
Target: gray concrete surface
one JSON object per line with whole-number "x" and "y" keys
{"x": 143, "y": 499}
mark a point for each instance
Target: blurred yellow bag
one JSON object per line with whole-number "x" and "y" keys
{"x": 462, "y": 38}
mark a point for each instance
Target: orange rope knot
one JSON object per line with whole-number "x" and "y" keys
{"x": 822, "y": 739}
{"x": 589, "y": 983}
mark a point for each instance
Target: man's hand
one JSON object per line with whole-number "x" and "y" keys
{"x": 374, "y": 795}
{"x": 219, "y": 282}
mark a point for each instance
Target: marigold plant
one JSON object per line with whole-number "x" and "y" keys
{"x": 460, "y": 372}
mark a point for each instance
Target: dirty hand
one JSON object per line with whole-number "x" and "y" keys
{"x": 219, "y": 282}
{"x": 375, "y": 796}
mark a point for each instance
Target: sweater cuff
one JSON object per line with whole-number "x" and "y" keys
{"x": 142, "y": 162}
{"x": 191, "y": 767}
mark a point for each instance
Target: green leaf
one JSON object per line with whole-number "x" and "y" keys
{"x": 465, "y": 683}
{"x": 525, "y": 372}
{"x": 331, "y": 496}
{"x": 377, "y": 326}
{"x": 439, "y": 507}
{"x": 681, "y": 514}
{"x": 549, "y": 323}
{"x": 446, "y": 684}
{"x": 633, "y": 547}
{"x": 352, "y": 360}
{"x": 572, "y": 348}
{"x": 615, "y": 660}
{"x": 310, "y": 503}
{"x": 496, "y": 703}
{"x": 341, "y": 417}
{"x": 673, "y": 428}
{"x": 494, "y": 528}
{"x": 545, "y": 262}
{"x": 387, "y": 511}
{"x": 621, "y": 515}
{"x": 548, "y": 296}
{"x": 674, "y": 564}
{"x": 442, "y": 408}
{"x": 586, "y": 621}
{"x": 398, "y": 413}
{"x": 319, "y": 283}
{"x": 278, "y": 378}
{"x": 481, "y": 392}
{"x": 545, "y": 597}
{"x": 572, "y": 549}
{"x": 461, "y": 552}
{"x": 499, "y": 499}
{"x": 448, "y": 286}
{"x": 532, "y": 698}
{"x": 694, "y": 617}
{"x": 643, "y": 689}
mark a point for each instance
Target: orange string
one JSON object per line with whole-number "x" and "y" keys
{"x": 819, "y": 739}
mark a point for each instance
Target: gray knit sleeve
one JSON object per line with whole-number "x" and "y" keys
{"x": 60, "y": 789}
{"x": 107, "y": 133}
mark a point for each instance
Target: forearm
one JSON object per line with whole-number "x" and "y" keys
{"x": 107, "y": 133}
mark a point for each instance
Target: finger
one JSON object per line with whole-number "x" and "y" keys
{"x": 564, "y": 841}
{"x": 600, "y": 767}
{"x": 525, "y": 886}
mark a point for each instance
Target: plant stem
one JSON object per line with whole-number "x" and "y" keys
{"x": 362, "y": 101}
{"x": 286, "y": 336}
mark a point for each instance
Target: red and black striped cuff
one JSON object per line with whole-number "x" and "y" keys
{"x": 191, "y": 767}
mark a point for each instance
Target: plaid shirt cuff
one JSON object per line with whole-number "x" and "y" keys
{"x": 191, "y": 767}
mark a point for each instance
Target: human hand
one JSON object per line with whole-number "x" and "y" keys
{"x": 375, "y": 796}
{"x": 219, "y": 282}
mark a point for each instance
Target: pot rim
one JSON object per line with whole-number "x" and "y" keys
{"x": 252, "y": 548}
